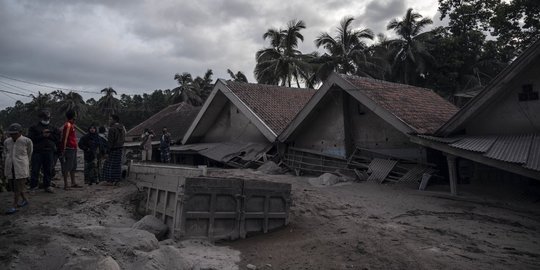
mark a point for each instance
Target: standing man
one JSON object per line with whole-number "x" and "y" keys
{"x": 68, "y": 150}
{"x": 165, "y": 146}
{"x": 146, "y": 144}
{"x": 45, "y": 138}
{"x": 18, "y": 152}
{"x": 112, "y": 168}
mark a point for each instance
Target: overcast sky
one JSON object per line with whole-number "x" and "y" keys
{"x": 136, "y": 46}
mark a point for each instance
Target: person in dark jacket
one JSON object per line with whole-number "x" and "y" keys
{"x": 112, "y": 168}
{"x": 103, "y": 153}
{"x": 165, "y": 146}
{"x": 45, "y": 138}
{"x": 90, "y": 144}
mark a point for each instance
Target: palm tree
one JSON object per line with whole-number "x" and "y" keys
{"x": 282, "y": 63}
{"x": 204, "y": 85}
{"x": 186, "y": 91}
{"x": 378, "y": 54}
{"x": 409, "y": 54}
{"x": 108, "y": 103}
{"x": 345, "y": 51}
{"x": 238, "y": 77}
{"x": 72, "y": 101}
{"x": 39, "y": 102}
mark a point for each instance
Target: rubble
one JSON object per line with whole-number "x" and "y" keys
{"x": 270, "y": 167}
{"x": 326, "y": 179}
{"x": 153, "y": 225}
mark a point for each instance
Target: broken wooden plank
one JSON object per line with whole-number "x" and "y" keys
{"x": 380, "y": 168}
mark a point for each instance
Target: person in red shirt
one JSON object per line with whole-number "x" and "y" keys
{"x": 68, "y": 150}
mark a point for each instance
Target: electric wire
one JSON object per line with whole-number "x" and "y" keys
{"x": 13, "y": 93}
{"x": 16, "y": 87}
{"x": 8, "y": 96}
{"x": 48, "y": 86}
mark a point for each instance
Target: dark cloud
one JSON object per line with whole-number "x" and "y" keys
{"x": 138, "y": 45}
{"x": 378, "y": 13}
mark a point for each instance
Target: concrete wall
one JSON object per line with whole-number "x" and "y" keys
{"x": 232, "y": 125}
{"x": 508, "y": 115}
{"x": 323, "y": 129}
{"x": 368, "y": 130}
{"x": 327, "y": 130}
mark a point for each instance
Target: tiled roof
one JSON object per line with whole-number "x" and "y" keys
{"x": 177, "y": 118}
{"x": 420, "y": 108}
{"x": 275, "y": 105}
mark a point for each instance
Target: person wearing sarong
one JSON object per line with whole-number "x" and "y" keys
{"x": 102, "y": 151}
{"x": 165, "y": 146}
{"x": 90, "y": 144}
{"x": 112, "y": 168}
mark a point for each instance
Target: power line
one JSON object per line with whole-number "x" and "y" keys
{"x": 13, "y": 93}
{"x": 17, "y": 87}
{"x": 8, "y": 96}
{"x": 48, "y": 86}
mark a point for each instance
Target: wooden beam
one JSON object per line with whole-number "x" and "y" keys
{"x": 477, "y": 157}
{"x": 452, "y": 173}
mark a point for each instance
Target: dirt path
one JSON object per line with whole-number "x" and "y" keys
{"x": 372, "y": 226}
{"x": 349, "y": 226}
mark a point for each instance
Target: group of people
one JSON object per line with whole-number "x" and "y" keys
{"x": 164, "y": 145}
{"x": 26, "y": 157}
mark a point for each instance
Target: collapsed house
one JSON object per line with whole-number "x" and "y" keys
{"x": 239, "y": 123}
{"x": 364, "y": 125}
{"x": 177, "y": 118}
{"x": 496, "y": 135}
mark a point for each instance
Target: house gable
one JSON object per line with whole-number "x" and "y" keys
{"x": 233, "y": 126}
{"x": 507, "y": 114}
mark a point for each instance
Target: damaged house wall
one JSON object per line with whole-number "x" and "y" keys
{"x": 370, "y": 131}
{"x": 232, "y": 125}
{"x": 324, "y": 131}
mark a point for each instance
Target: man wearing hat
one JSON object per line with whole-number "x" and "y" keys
{"x": 45, "y": 138}
{"x": 17, "y": 153}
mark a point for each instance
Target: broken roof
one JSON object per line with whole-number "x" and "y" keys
{"x": 493, "y": 90}
{"x": 177, "y": 118}
{"x": 508, "y": 152}
{"x": 269, "y": 107}
{"x": 409, "y": 108}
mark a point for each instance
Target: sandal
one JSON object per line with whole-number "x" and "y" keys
{"x": 11, "y": 211}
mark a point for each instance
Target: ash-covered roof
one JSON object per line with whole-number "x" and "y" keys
{"x": 177, "y": 118}
{"x": 420, "y": 108}
{"x": 275, "y": 105}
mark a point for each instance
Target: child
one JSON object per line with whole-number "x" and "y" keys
{"x": 17, "y": 153}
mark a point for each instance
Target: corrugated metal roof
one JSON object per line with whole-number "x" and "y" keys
{"x": 225, "y": 151}
{"x": 441, "y": 139}
{"x": 523, "y": 149}
{"x": 512, "y": 148}
{"x": 475, "y": 143}
{"x": 533, "y": 160}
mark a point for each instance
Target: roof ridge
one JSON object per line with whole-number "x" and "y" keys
{"x": 385, "y": 82}
{"x": 259, "y": 85}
